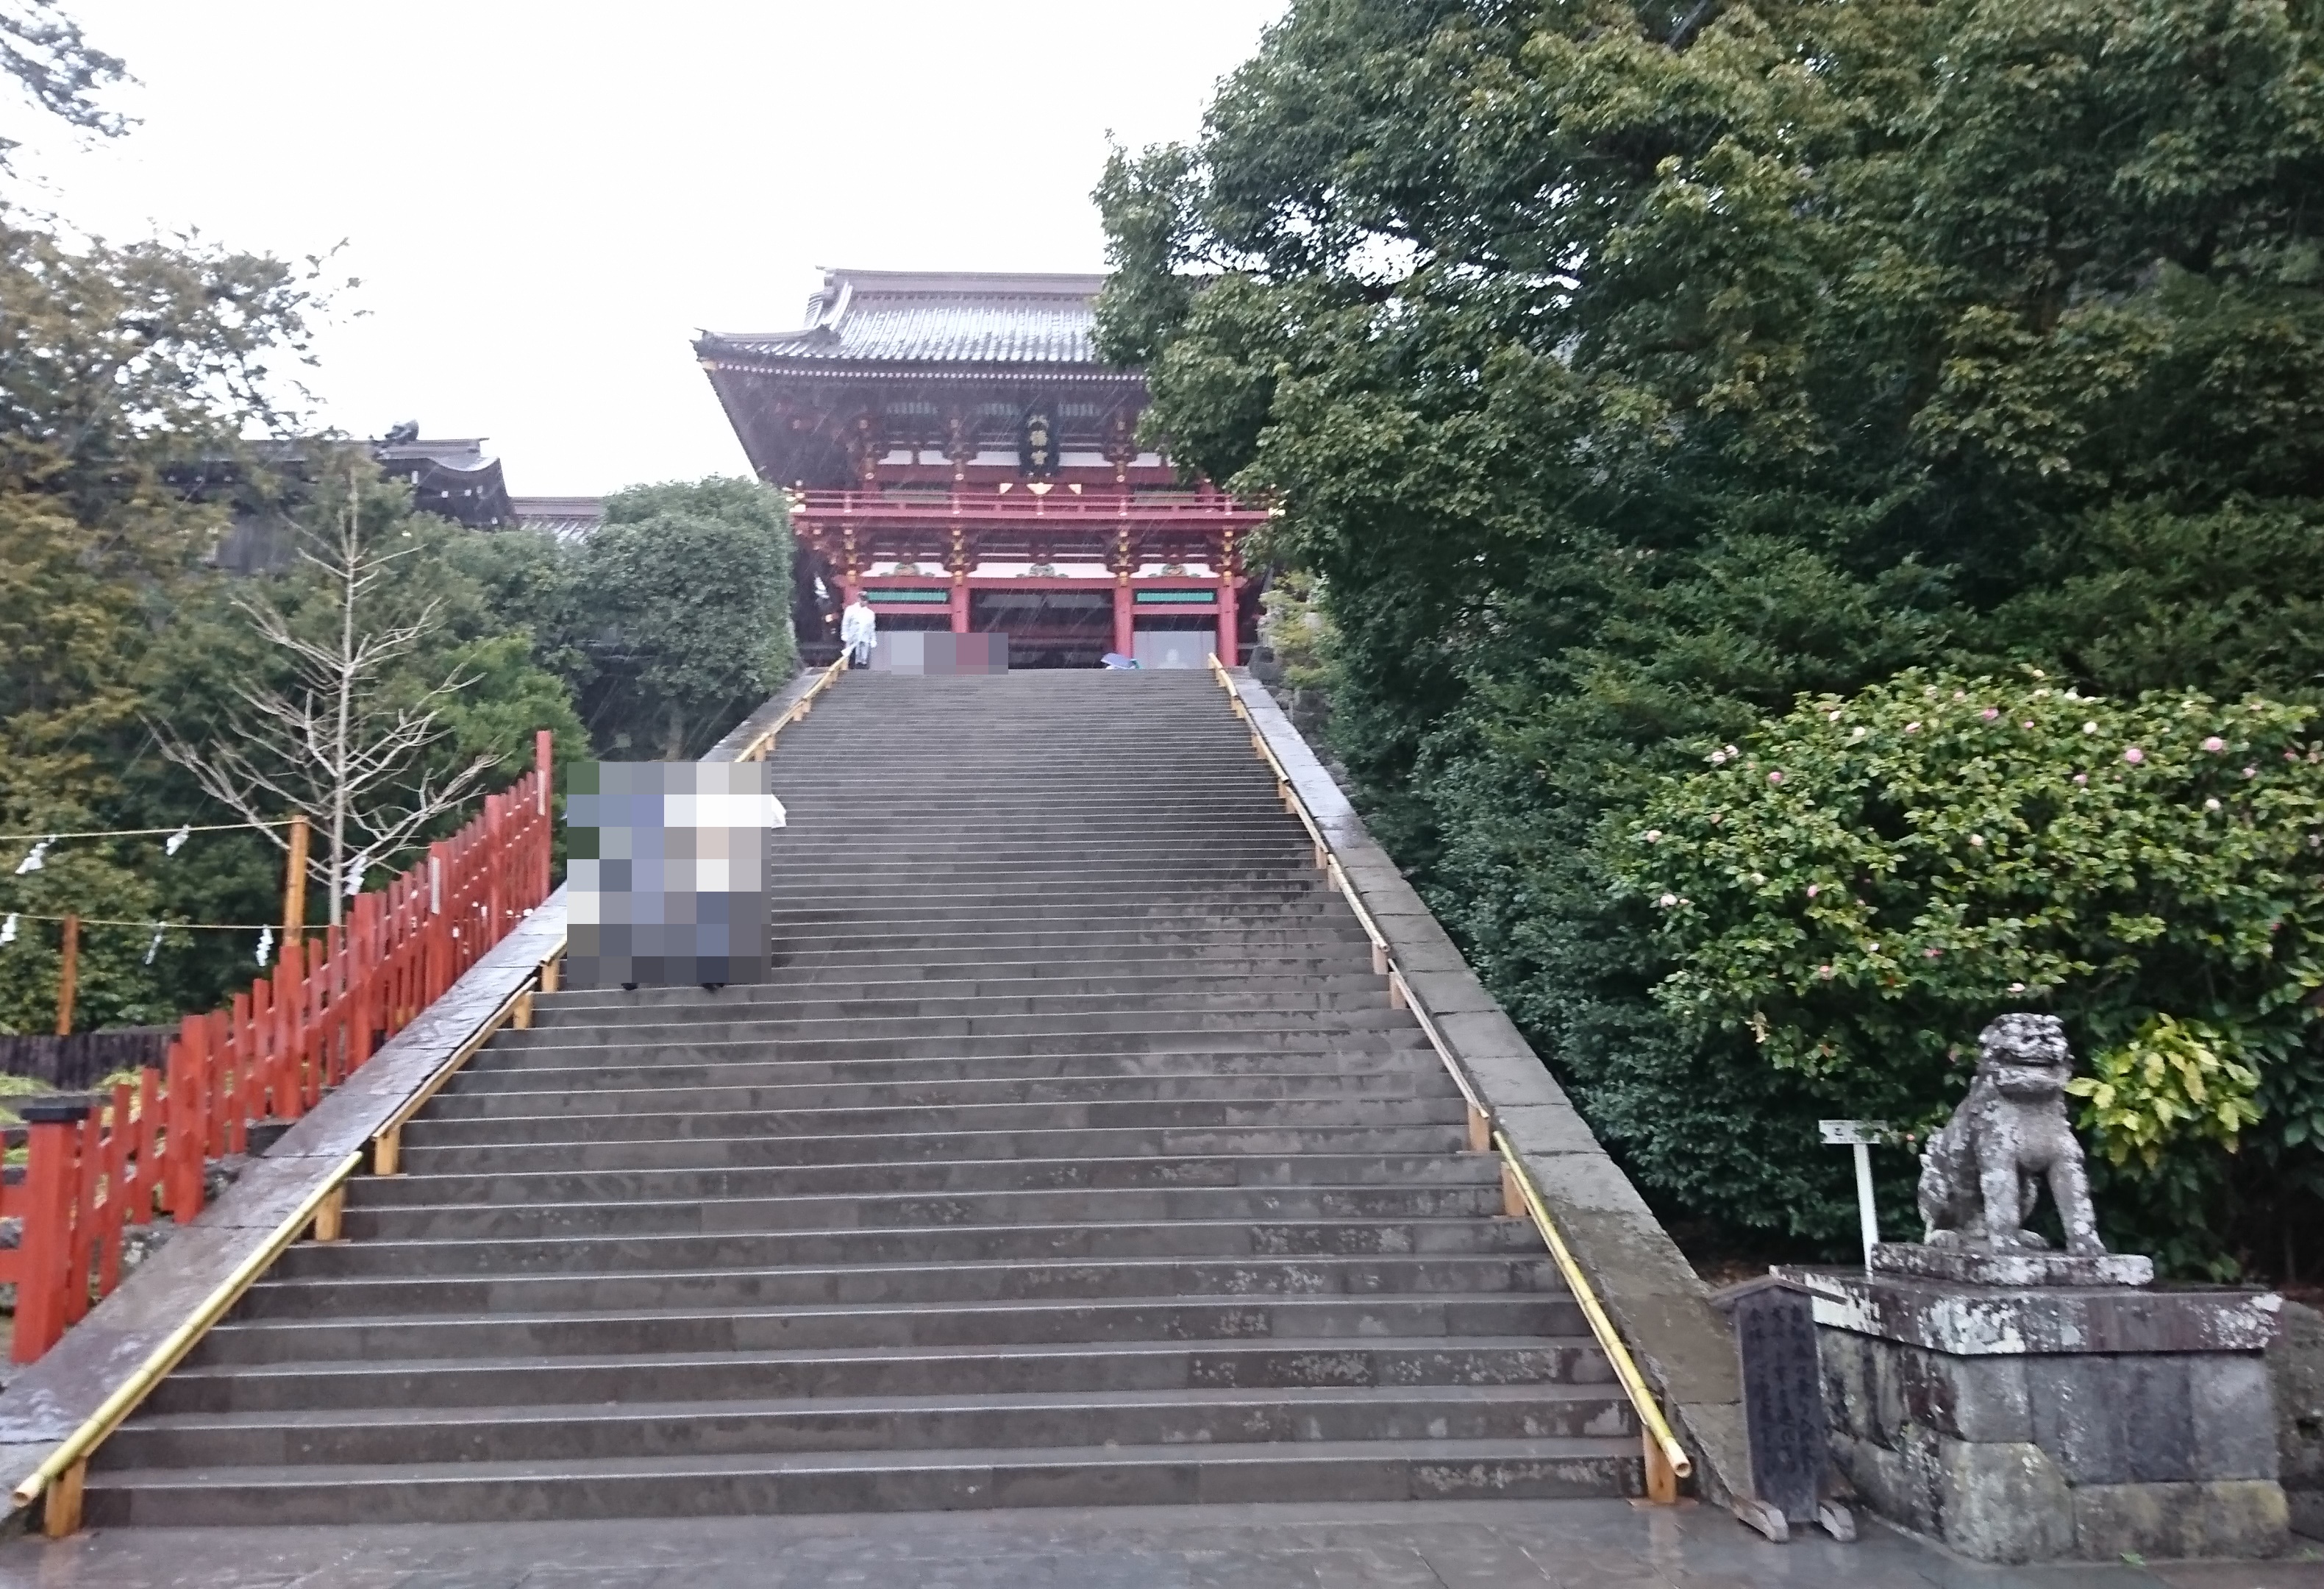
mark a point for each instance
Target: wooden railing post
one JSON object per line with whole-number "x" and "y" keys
{"x": 190, "y": 1117}
{"x": 51, "y": 1179}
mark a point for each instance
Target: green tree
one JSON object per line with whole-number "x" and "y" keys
{"x": 126, "y": 373}
{"x": 1859, "y": 885}
{"x": 366, "y": 687}
{"x": 1626, "y": 373}
{"x": 679, "y": 607}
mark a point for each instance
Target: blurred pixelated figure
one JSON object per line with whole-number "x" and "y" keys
{"x": 938, "y": 652}
{"x": 667, "y": 874}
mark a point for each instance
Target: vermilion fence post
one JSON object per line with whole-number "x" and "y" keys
{"x": 85, "y": 1236}
{"x": 51, "y": 1174}
{"x": 108, "y": 1215}
{"x": 249, "y": 1104}
{"x": 190, "y": 1116}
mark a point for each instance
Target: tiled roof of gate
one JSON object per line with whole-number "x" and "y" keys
{"x": 935, "y": 318}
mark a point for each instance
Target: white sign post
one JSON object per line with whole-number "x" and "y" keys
{"x": 1859, "y": 1135}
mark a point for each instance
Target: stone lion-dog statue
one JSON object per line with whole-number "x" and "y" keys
{"x": 1982, "y": 1172}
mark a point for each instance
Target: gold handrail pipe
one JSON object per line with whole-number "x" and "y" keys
{"x": 757, "y": 750}
{"x": 387, "y": 1141}
{"x": 1666, "y": 1460}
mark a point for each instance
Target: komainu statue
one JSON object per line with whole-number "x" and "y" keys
{"x": 1980, "y": 1174}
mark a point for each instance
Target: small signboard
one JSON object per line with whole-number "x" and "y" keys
{"x": 1854, "y": 1133}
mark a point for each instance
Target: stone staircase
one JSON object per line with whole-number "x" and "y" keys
{"x": 1074, "y": 1156}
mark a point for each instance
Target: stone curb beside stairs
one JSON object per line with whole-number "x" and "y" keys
{"x": 1685, "y": 1347}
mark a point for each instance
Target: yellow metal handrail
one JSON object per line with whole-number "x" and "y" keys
{"x": 387, "y": 1141}
{"x": 1666, "y": 1460}
{"x": 757, "y": 750}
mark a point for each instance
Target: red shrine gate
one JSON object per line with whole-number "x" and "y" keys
{"x": 956, "y": 450}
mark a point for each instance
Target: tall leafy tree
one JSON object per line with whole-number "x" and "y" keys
{"x": 1625, "y": 371}
{"x": 679, "y": 607}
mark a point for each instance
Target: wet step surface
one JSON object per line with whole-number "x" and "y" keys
{"x": 1073, "y": 1155}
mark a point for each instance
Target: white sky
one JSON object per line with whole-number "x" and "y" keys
{"x": 545, "y": 200}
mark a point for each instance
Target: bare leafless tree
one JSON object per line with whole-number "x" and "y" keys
{"x": 340, "y": 744}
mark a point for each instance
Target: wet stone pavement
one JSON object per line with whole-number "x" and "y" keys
{"x": 1505, "y": 1544}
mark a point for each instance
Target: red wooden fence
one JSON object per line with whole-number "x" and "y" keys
{"x": 94, "y": 1168}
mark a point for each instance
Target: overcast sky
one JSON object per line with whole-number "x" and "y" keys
{"x": 545, "y": 200}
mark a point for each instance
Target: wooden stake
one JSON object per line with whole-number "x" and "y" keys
{"x": 294, "y": 885}
{"x": 1480, "y": 1131}
{"x": 60, "y": 1509}
{"x": 1661, "y": 1481}
{"x": 69, "y": 979}
{"x": 328, "y": 1214}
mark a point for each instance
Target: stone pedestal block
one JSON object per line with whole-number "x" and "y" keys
{"x": 2060, "y": 1421}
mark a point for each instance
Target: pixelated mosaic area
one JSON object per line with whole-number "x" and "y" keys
{"x": 667, "y": 873}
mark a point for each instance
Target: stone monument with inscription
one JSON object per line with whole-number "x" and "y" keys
{"x": 2024, "y": 1404}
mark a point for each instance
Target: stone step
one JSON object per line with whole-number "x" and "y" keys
{"x": 766, "y": 1375}
{"x": 631, "y": 1091}
{"x": 876, "y": 1480}
{"x": 1291, "y": 1114}
{"x": 446, "y": 1219}
{"x": 868, "y": 1184}
{"x": 922, "y": 1284}
{"x": 534, "y": 1069}
{"x": 1313, "y": 1037}
{"x": 735, "y": 1235}
{"x": 330, "y": 1436}
{"x": 755, "y": 1003}
{"x": 1129, "y": 984}
{"x": 885, "y": 1326}
{"x": 743, "y": 1149}
{"x": 525, "y": 1073}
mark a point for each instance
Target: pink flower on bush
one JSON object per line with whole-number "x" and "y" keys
{"x": 2134, "y": 755}
{"x": 1977, "y": 839}
{"x": 2082, "y": 778}
{"x": 2251, "y": 772}
{"x": 1823, "y": 971}
{"x": 1990, "y": 713}
{"x": 2215, "y": 744}
{"x": 2211, "y": 805}
{"x": 1814, "y": 889}
{"x": 1932, "y": 953}
{"x": 1667, "y": 900}
{"x": 2016, "y": 987}
{"x": 2027, "y": 724}
{"x": 1775, "y": 778}
{"x": 1911, "y": 728}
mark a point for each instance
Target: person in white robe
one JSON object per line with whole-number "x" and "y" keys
{"x": 858, "y": 631}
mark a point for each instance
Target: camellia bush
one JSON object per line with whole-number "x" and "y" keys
{"x": 1865, "y": 883}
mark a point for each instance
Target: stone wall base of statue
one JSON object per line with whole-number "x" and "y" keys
{"x": 2024, "y": 1404}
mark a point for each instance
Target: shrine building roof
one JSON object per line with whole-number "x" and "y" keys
{"x": 932, "y": 317}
